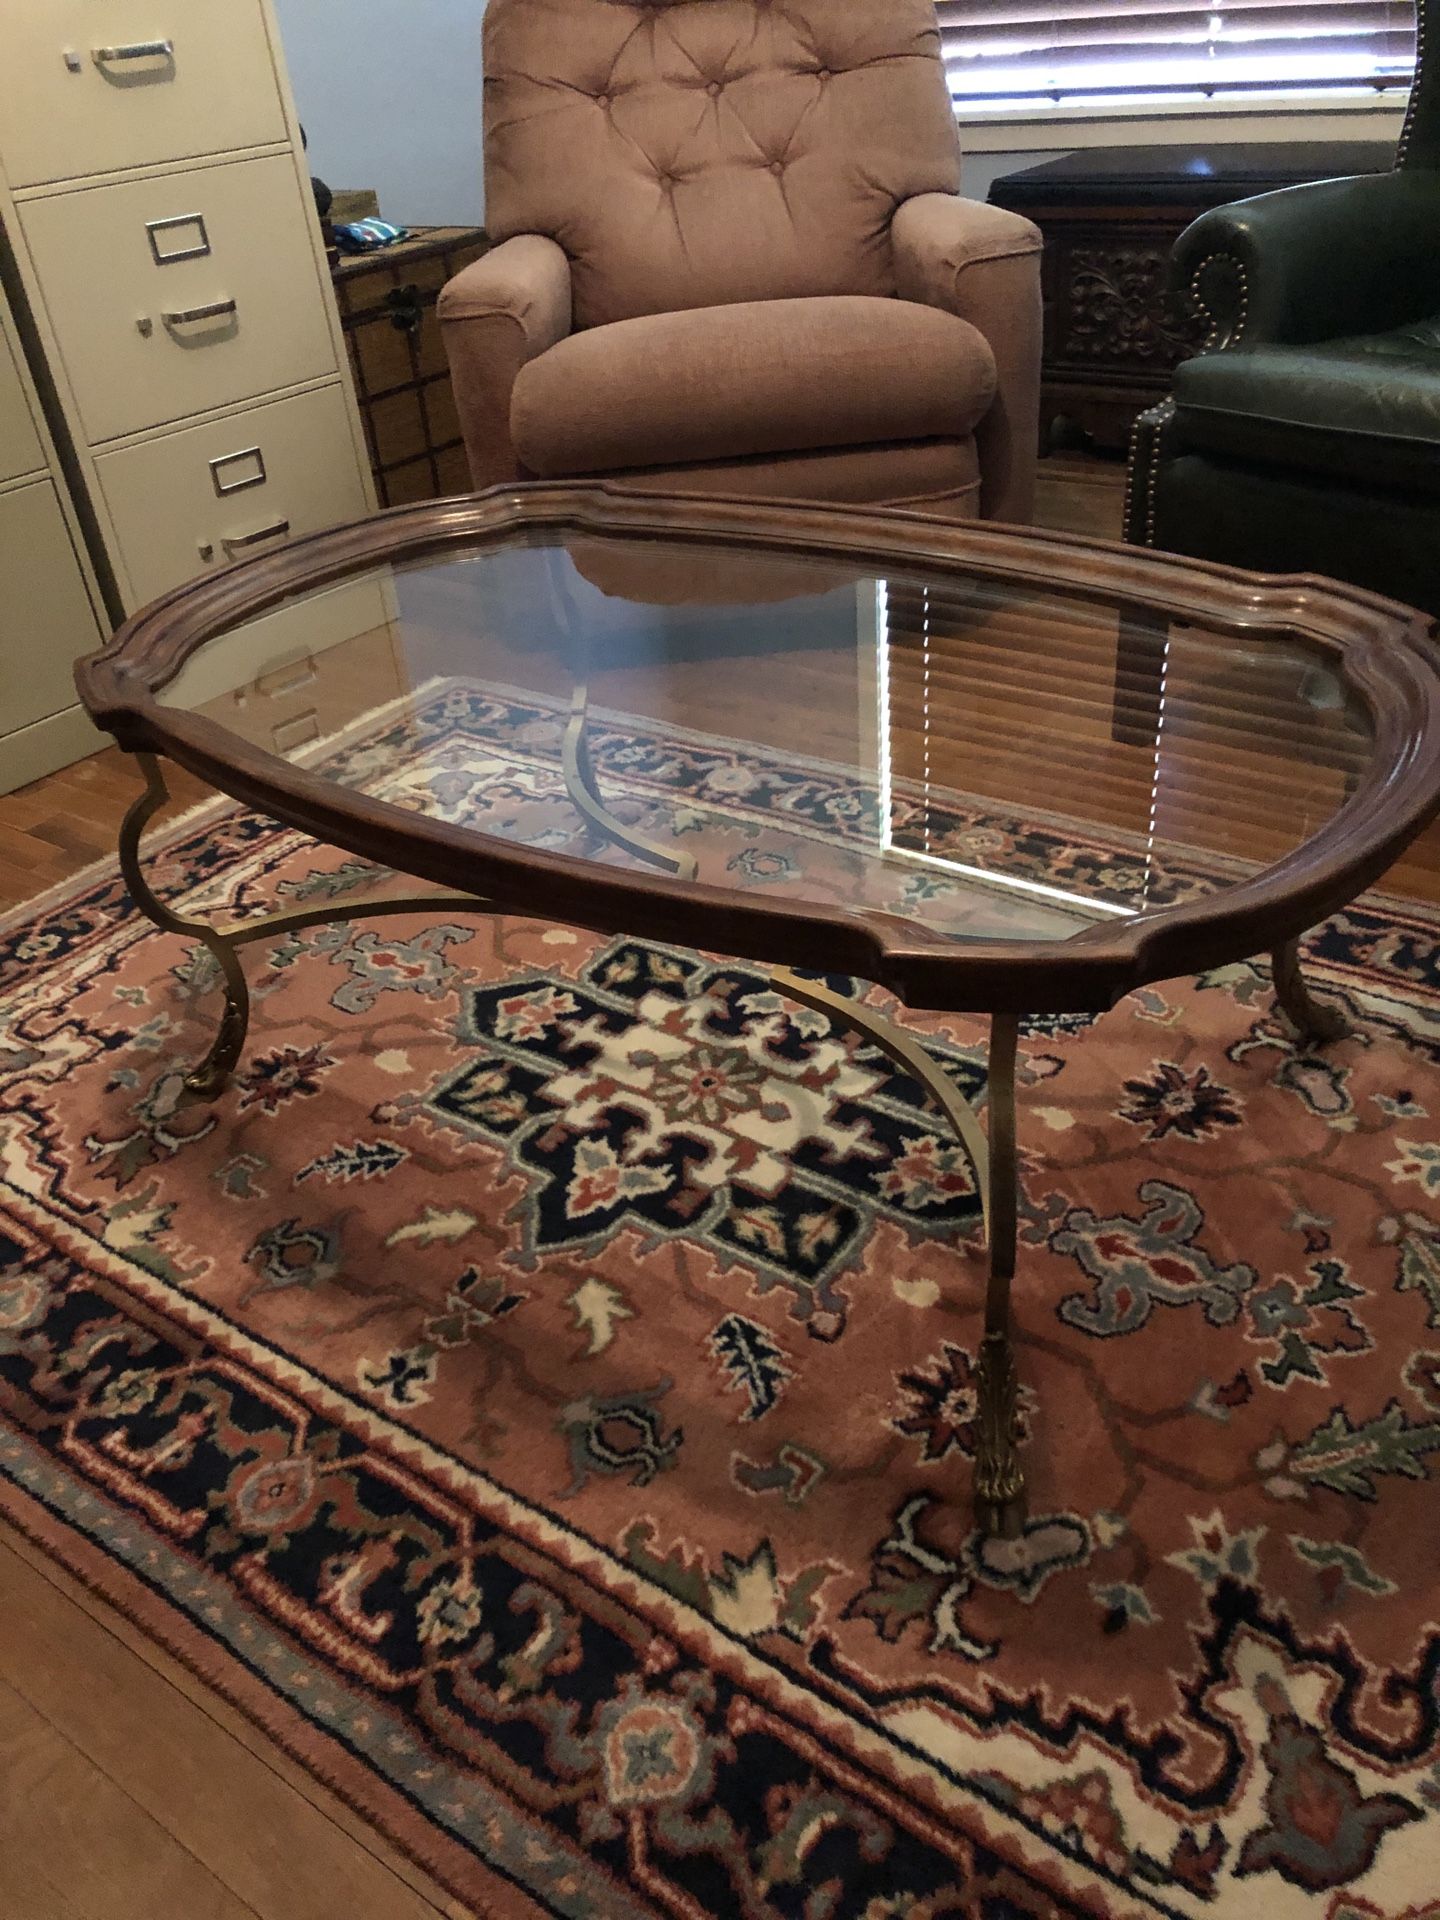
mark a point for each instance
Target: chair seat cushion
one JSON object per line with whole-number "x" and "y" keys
{"x": 1365, "y": 409}
{"x": 768, "y": 376}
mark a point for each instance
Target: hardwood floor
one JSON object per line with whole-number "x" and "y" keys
{"x": 128, "y": 1789}
{"x": 1081, "y": 493}
{"x": 58, "y": 826}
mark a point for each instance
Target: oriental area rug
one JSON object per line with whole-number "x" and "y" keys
{"x": 539, "y": 1392}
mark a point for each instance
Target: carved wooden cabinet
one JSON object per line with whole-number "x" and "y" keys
{"x": 1114, "y": 330}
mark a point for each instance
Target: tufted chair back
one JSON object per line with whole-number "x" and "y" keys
{"x": 691, "y": 153}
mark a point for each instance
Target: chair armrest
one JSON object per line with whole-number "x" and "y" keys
{"x": 1317, "y": 262}
{"x": 983, "y": 264}
{"x": 501, "y": 311}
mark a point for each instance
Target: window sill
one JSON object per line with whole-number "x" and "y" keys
{"x": 1033, "y": 129}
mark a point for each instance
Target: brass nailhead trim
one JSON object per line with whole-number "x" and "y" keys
{"x": 1409, "y": 127}
{"x": 1213, "y": 335}
{"x": 1167, "y": 414}
{"x": 1155, "y": 422}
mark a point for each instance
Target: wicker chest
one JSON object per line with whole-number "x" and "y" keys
{"x": 387, "y": 308}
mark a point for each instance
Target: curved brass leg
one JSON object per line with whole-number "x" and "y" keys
{"x": 908, "y": 1053}
{"x": 214, "y": 1070}
{"x": 224, "y": 943}
{"x": 999, "y": 1474}
{"x": 1312, "y": 1019}
{"x": 584, "y": 792}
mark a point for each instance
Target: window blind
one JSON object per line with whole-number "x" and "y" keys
{"x": 1016, "y": 53}
{"x": 1008, "y": 704}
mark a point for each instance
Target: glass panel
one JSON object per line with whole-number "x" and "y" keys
{"x": 986, "y": 760}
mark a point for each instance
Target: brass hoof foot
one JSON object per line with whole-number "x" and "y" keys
{"x": 1315, "y": 1021}
{"x": 1005, "y": 1522}
{"x": 999, "y": 1476}
{"x": 1320, "y": 1025}
{"x": 210, "y": 1079}
{"x": 207, "y": 1082}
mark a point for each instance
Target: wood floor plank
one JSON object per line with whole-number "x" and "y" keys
{"x": 58, "y": 826}
{"x": 27, "y": 1884}
{"x": 72, "y": 1842}
{"x": 212, "y": 1794}
{"x": 1076, "y": 493}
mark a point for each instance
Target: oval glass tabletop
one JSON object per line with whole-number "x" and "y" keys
{"x": 962, "y": 753}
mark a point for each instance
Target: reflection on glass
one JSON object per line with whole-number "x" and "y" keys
{"x": 1107, "y": 761}
{"x": 982, "y": 760}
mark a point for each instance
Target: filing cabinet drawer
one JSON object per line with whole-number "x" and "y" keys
{"x": 173, "y": 296}
{"x": 235, "y": 486}
{"x": 46, "y": 619}
{"x": 20, "y": 449}
{"x": 92, "y": 89}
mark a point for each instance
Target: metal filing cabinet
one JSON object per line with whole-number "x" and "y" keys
{"x": 49, "y": 605}
{"x": 175, "y": 302}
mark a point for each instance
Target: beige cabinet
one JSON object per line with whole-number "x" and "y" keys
{"x": 93, "y": 89}
{"x": 20, "y": 450}
{"x": 46, "y": 618}
{"x": 156, "y": 209}
{"x": 219, "y": 491}
{"x": 49, "y": 606}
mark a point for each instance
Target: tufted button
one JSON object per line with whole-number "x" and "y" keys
{"x": 777, "y": 166}
{"x": 713, "y": 88}
{"x": 823, "y": 73}
{"x": 602, "y": 100}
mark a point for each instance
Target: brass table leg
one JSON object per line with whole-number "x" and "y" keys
{"x": 215, "y": 1069}
{"x": 209, "y": 1079}
{"x": 999, "y": 1475}
{"x": 1312, "y": 1019}
{"x": 584, "y": 791}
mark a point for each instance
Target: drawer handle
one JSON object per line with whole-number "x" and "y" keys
{"x": 288, "y": 678}
{"x": 185, "y": 316}
{"x": 297, "y": 732}
{"x": 137, "y": 50}
{"x": 237, "y": 543}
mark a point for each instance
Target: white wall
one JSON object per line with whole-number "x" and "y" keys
{"x": 389, "y": 95}
{"x": 979, "y": 169}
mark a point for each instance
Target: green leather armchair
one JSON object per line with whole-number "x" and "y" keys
{"x": 1306, "y": 437}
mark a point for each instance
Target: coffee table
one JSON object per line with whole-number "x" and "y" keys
{"x": 990, "y": 771}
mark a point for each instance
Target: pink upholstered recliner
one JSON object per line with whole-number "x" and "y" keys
{"x": 732, "y": 258}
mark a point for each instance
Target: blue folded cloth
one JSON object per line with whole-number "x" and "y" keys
{"x": 368, "y": 236}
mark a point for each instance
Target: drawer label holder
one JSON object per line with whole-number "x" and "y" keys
{"x": 234, "y": 472}
{"x": 182, "y": 237}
